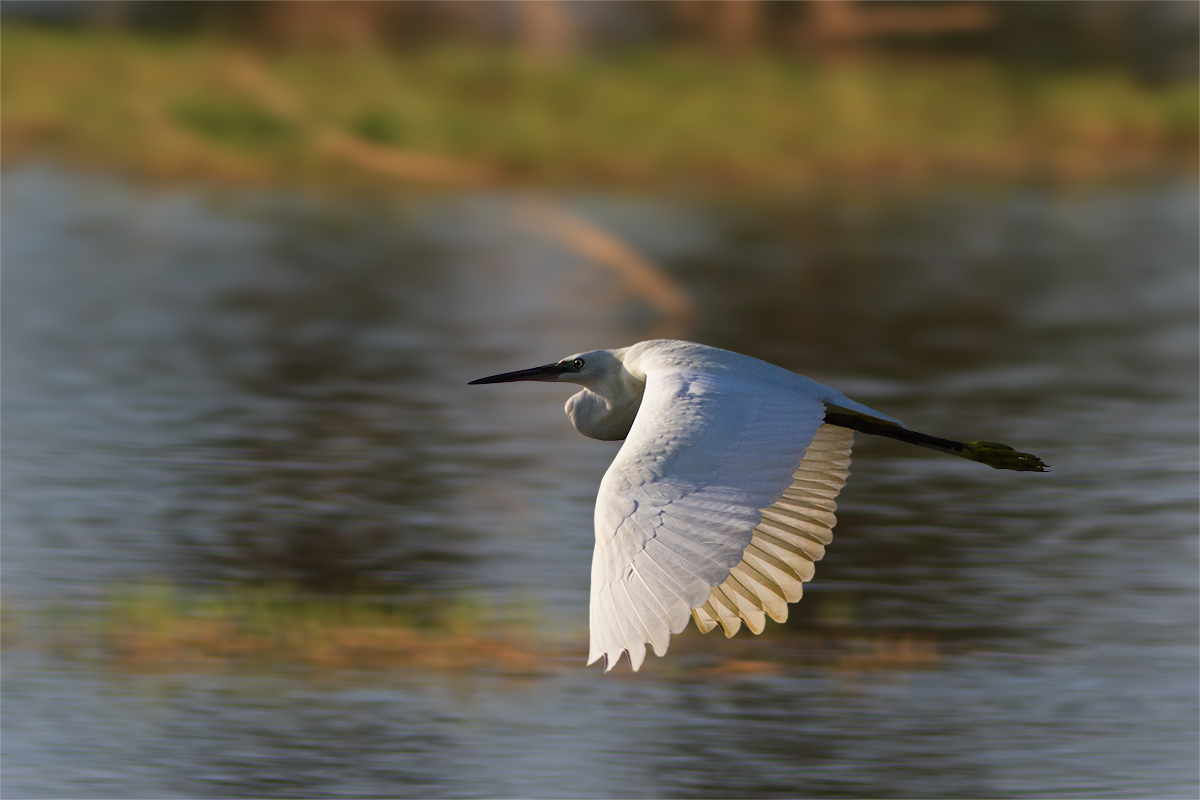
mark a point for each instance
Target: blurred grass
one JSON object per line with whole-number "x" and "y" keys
{"x": 189, "y": 108}
{"x": 160, "y": 627}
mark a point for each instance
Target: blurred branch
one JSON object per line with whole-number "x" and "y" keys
{"x": 640, "y": 275}
{"x": 421, "y": 167}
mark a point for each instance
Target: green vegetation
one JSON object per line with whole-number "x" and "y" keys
{"x": 210, "y": 109}
{"x": 236, "y": 125}
{"x": 156, "y": 627}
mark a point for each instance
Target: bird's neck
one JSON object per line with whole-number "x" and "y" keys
{"x": 607, "y": 411}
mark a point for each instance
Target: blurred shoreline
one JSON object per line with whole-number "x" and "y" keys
{"x": 161, "y": 627}
{"x": 216, "y": 111}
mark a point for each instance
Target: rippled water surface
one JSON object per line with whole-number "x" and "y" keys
{"x": 205, "y": 388}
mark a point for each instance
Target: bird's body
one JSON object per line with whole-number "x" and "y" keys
{"x": 722, "y": 497}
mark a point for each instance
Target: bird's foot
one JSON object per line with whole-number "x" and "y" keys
{"x": 1001, "y": 456}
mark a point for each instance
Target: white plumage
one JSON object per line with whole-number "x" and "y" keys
{"x": 718, "y": 439}
{"x": 722, "y": 496}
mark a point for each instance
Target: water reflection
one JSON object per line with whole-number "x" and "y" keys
{"x": 330, "y": 480}
{"x": 275, "y": 388}
{"x": 261, "y": 746}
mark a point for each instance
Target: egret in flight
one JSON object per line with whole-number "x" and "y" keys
{"x": 722, "y": 496}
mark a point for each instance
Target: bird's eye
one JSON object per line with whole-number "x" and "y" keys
{"x": 577, "y": 363}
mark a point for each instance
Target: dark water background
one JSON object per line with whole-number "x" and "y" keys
{"x": 207, "y": 387}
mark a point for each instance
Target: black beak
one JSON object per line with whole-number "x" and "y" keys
{"x": 547, "y": 372}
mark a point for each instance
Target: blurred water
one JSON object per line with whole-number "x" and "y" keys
{"x": 208, "y": 387}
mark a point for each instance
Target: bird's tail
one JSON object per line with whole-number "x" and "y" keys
{"x": 994, "y": 454}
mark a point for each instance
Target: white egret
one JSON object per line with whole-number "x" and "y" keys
{"x": 722, "y": 497}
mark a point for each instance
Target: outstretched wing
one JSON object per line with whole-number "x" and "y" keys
{"x": 785, "y": 545}
{"x": 705, "y": 508}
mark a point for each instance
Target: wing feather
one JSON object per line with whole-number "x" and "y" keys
{"x": 709, "y": 610}
{"x": 792, "y": 534}
{"x": 698, "y": 553}
{"x": 704, "y": 620}
{"x": 750, "y": 607}
{"x": 789, "y": 515}
{"x": 660, "y": 633}
{"x": 637, "y": 632}
{"x": 809, "y": 530}
{"x": 680, "y": 567}
{"x": 600, "y": 622}
{"x": 728, "y": 616}
{"x": 785, "y": 572}
{"x": 774, "y": 600}
{"x": 666, "y": 588}
{"x": 716, "y": 507}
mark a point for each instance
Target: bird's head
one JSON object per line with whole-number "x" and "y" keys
{"x": 586, "y": 369}
{"x": 611, "y": 395}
